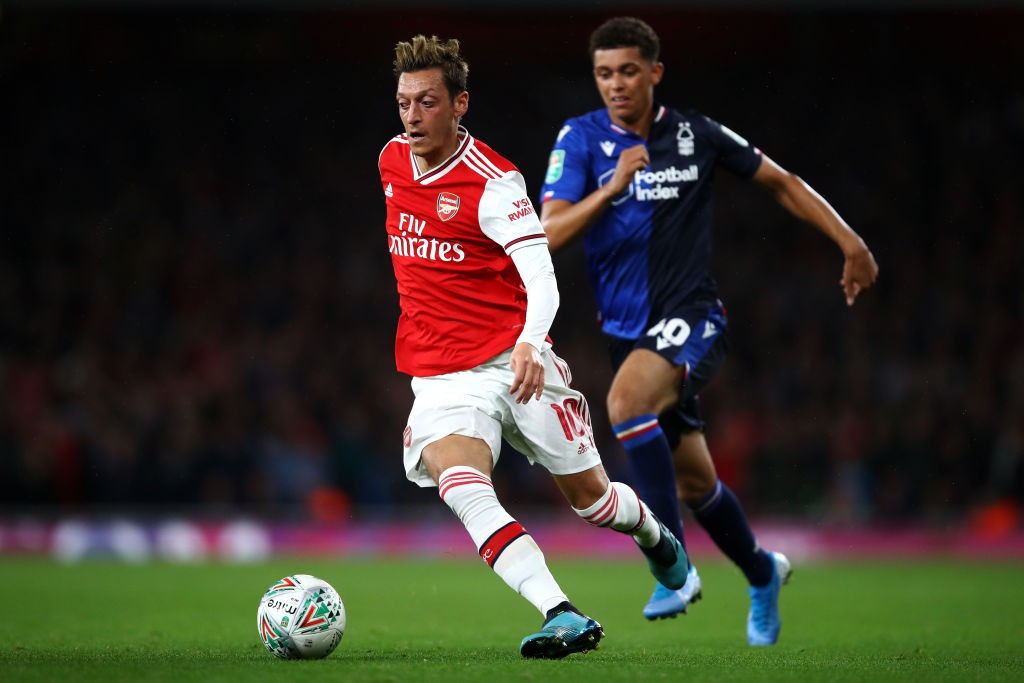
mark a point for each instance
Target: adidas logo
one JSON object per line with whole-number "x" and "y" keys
{"x": 388, "y": 192}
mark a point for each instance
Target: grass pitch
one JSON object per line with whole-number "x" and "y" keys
{"x": 449, "y": 621}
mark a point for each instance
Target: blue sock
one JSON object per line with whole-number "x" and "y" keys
{"x": 650, "y": 460}
{"x": 722, "y": 516}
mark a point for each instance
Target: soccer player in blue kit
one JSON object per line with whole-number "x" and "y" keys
{"x": 634, "y": 179}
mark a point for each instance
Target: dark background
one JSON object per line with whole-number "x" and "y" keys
{"x": 197, "y": 307}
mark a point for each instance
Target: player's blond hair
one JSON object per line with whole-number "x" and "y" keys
{"x": 427, "y": 53}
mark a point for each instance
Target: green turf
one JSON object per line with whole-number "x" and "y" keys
{"x": 423, "y": 621}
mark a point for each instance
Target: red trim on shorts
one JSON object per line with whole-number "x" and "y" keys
{"x": 563, "y": 370}
{"x": 494, "y": 546}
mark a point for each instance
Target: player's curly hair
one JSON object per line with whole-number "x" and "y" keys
{"x": 426, "y": 53}
{"x": 626, "y": 32}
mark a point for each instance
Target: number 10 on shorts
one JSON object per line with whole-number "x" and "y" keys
{"x": 574, "y": 417}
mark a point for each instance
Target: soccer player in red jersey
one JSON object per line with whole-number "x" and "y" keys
{"x": 478, "y": 295}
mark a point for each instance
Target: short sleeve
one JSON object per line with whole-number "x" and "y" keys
{"x": 734, "y": 152}
{"x": 566, "y": 176}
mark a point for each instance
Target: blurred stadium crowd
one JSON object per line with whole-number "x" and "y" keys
{"x": 197, "y": 307}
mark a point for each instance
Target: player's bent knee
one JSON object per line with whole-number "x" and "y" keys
{"x": 583, "y": 489}
{"x": 622, "y": 407}
{"x": 626, "y": 404}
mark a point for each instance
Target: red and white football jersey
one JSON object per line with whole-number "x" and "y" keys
{"x": 450, "y": 233}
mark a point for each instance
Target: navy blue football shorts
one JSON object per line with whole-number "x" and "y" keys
{"x": 693, "y": 338}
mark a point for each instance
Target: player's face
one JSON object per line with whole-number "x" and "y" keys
{"x": 430, "y": 116}
{"x": 626, "y": 82}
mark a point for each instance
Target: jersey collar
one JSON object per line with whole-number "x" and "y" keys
{"x": 659, "y": 115}
{"x": 465, "y": 140}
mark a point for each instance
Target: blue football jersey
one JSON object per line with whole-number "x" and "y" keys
{"x": 649, "y": 253}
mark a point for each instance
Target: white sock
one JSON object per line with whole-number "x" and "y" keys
{"x": 501, "y": 541}
{"x": 621, "y": 509}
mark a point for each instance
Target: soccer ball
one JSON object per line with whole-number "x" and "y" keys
{"x": 301, "y": 617}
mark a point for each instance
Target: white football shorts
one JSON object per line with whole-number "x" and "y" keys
{"x": 554, "y": 432}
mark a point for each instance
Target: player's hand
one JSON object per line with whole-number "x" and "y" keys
{"x": 859, "y": 273}
{"x": 528, "y": 366}
{"x": 631, "y": 160}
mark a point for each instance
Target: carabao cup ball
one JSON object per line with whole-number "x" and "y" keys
{"x": 301, "y": 617}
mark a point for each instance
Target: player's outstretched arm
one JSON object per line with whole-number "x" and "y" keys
{"x": 800, "y": 199}
{"x": 564, "y": 221}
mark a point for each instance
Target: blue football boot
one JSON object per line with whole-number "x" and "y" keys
{"x": 665, "y": 602}
{"x": 763, "y": 622}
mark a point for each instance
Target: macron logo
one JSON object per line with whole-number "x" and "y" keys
{"x": 710, "y": 329}
{"x": 608, "y": 147}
